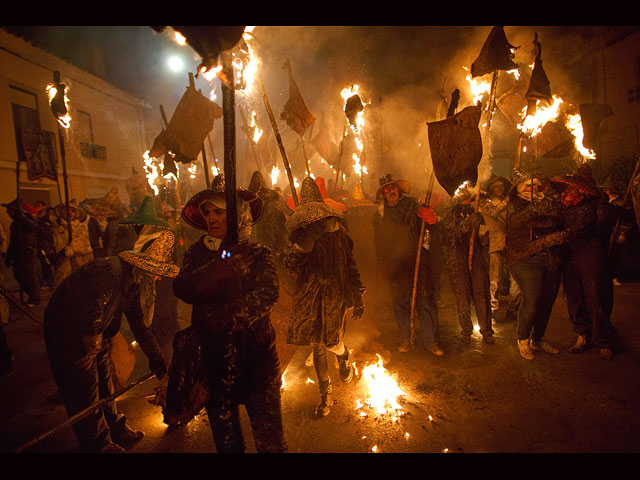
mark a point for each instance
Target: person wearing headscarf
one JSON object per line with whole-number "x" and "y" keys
{"x": 80, "y": 321}
{"x": 534, "y": 261}
{"x": 71, "y": 255}
{"x": 462, "y": 225}
{"x": 396, "y": 231}
{"x": 328, "y": 286}
{"x": 233, "y": 288}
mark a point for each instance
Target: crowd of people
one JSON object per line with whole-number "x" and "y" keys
{"x": 507, "y": 243}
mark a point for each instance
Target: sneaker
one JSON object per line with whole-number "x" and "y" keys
{"x": 326, "y": 400}
{"x": 525, "y": 349}
{"x": 345, "y": 368}
{"x": 580, "y": 346}
{"x": 126, "y": 435}
{"x": 111, "y": 447}
{"x": 489, "y": 338}
{"x": 606, "y": 354}
{"x": 405, "y": 346}
{"x": 543, "y": 346}
{"x": 437, "y": 351}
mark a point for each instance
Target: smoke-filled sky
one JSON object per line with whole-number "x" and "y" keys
{"x": 401, "y": 70}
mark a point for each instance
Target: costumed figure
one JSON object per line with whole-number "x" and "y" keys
{"x": 71, "y": 255}
{"x": 396, "y": 230}
{"x": 270, "y": 231}
{"x": 328, "y": 286}
{"x": 460, "y": 223}
{"x": 232, "y": 289}
{"x": 81, "y": 319}
{"x": 532, "y": 214}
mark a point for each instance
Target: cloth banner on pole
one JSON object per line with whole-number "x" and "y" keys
{"x": 191, "y": 122}
{"x": 456, "y": 148}
{"x": 39, "y": 149}
{"x": 296, "y": 113}
{"x": 496, "y": 54}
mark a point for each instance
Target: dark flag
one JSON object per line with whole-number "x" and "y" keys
{"x": 539, "y": 86}
{"x": 189, "y": 125}
{"x": 325, "y": 147}
{"x": 591, "y": 114}
{"x": 456, "y": 148}
{"x": 296, "y": 113}
{"x": 495, "y": 54}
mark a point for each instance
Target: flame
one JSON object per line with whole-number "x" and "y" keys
{"x": 309, "y": 380}
{"x": 64, "y": 121}
{"x": 192, "y": 170}
{"x": 295, "y": 183}
{"x": 257, "y": 133}
{"x": 346, "y": 94}
{"x": 532, "y": 124}
{"x": 179, "y": 38}
{"x": 574, "y": 124}
{"x": 282, "y": 382}
{"x": 479, "y": 87}
{"x": 384, "y": 390}
{"x": 152, "y": 171}
{"x": 275, "y": 171}
{"x": 215, "y": 171}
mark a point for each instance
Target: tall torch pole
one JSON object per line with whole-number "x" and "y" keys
{"x": 274, "y": 125}
{"x": 229, "y": 129}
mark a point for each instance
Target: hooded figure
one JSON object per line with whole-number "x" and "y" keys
{"x": 232, "y": 289}
{"x": 533, "y": 259}
{"x": 80, "y": 321}
{"x": 396, "y": 231}
{"x": 328, "y": 286}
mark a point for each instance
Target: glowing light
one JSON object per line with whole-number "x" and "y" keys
{"x": 65, "y": 120}
{"x": 192, "y": 170}
{"x": 175, "y": 63}
{"x": 479, "y": 87}
{"x": 257, "y": 133}
{"x": 179, "y": 39}
{"x": 309, "y": 380}
{"x": 215, "y": 171}
{"x": 383, "y": 389}
{"x": 374, "y": 449}
{"x": 282, "y": 382}
{"x": 574, "y": 124}
{"x": 152, "y": 171}
{"x": 275, "y": 171}
{"x": 295, "y": 182}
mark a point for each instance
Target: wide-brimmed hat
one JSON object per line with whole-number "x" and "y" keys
{"x": 110, "y": 205}
{"x": 312, "y": 207}
{"x": 146, "y": 215}
{"x": 322, "y": 187}
{"x": 193, "y": 216}
{"x": 387, "y": 179}
{"x": 492, "y": 180}
{"x": 583, "y": 184}
{"x": 156, "y": 259}
{"x": 80, "y": 212}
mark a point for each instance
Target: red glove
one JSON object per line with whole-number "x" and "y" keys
{"x": 428, "y": 215}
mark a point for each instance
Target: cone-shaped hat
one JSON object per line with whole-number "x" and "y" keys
{"x": 146, "y": 215}
{"x": 312, "y": 207}
{"x": 156, "y": 259}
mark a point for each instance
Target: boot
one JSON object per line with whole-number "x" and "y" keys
{"x": 525, "y": 349}
{"x": 344, "y": 366}
{"x": 324, "y": 407}
{"x": 125, "y": 435}
{"x": 543, "y": 346}
{"x": 580, "y": 345}
{"x": 111, "y": 447}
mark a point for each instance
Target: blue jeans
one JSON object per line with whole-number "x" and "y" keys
{"x": 426, "y": 316}
{"x": 539, "y": 286}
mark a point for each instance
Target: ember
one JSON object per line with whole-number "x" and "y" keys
{"x": 383, "y": 389}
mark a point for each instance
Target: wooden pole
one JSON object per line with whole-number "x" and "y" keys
{"x": 276, "y": 132}
{"x": 344, "y": 134}
{"x": 229, "y": 118}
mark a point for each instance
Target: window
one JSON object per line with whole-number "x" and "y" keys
{"x": 25, "y": 114}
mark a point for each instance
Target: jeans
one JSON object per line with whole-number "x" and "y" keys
{"x": 426, "y": 314}
{"x": 539, "y": 286}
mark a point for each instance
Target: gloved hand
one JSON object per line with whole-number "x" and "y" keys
{"x": 158, "y": 365}
{"x": 427, "y": 214}
{"x": 219, "y": 273}
{"x": 358, "y": 307}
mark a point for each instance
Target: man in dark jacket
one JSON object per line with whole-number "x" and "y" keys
{"x": 82, "y": 317}
{"x": 22, "y": 253}
{"x": 232, "y": 289}
{"x": 327, "y": 286}
{"x": 396, "y": 229}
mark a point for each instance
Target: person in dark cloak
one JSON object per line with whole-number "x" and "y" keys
{"x": 396, "y": 229}
{"x": 22, "y": 253}
{"x": 232, "y": 289}
{"x": 328, "y": 286}
{"x": 533, "y": 213}
{"x": 83, "y": 315}
{"x": 270, "y": 231}
{"x": 460, "y": 222}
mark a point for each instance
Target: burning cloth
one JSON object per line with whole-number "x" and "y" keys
{"x": 456, "y": 148}
{"x": 496, "y": 54}
{"x": 191, "y": 122}
{"x": 296, "y": 113}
